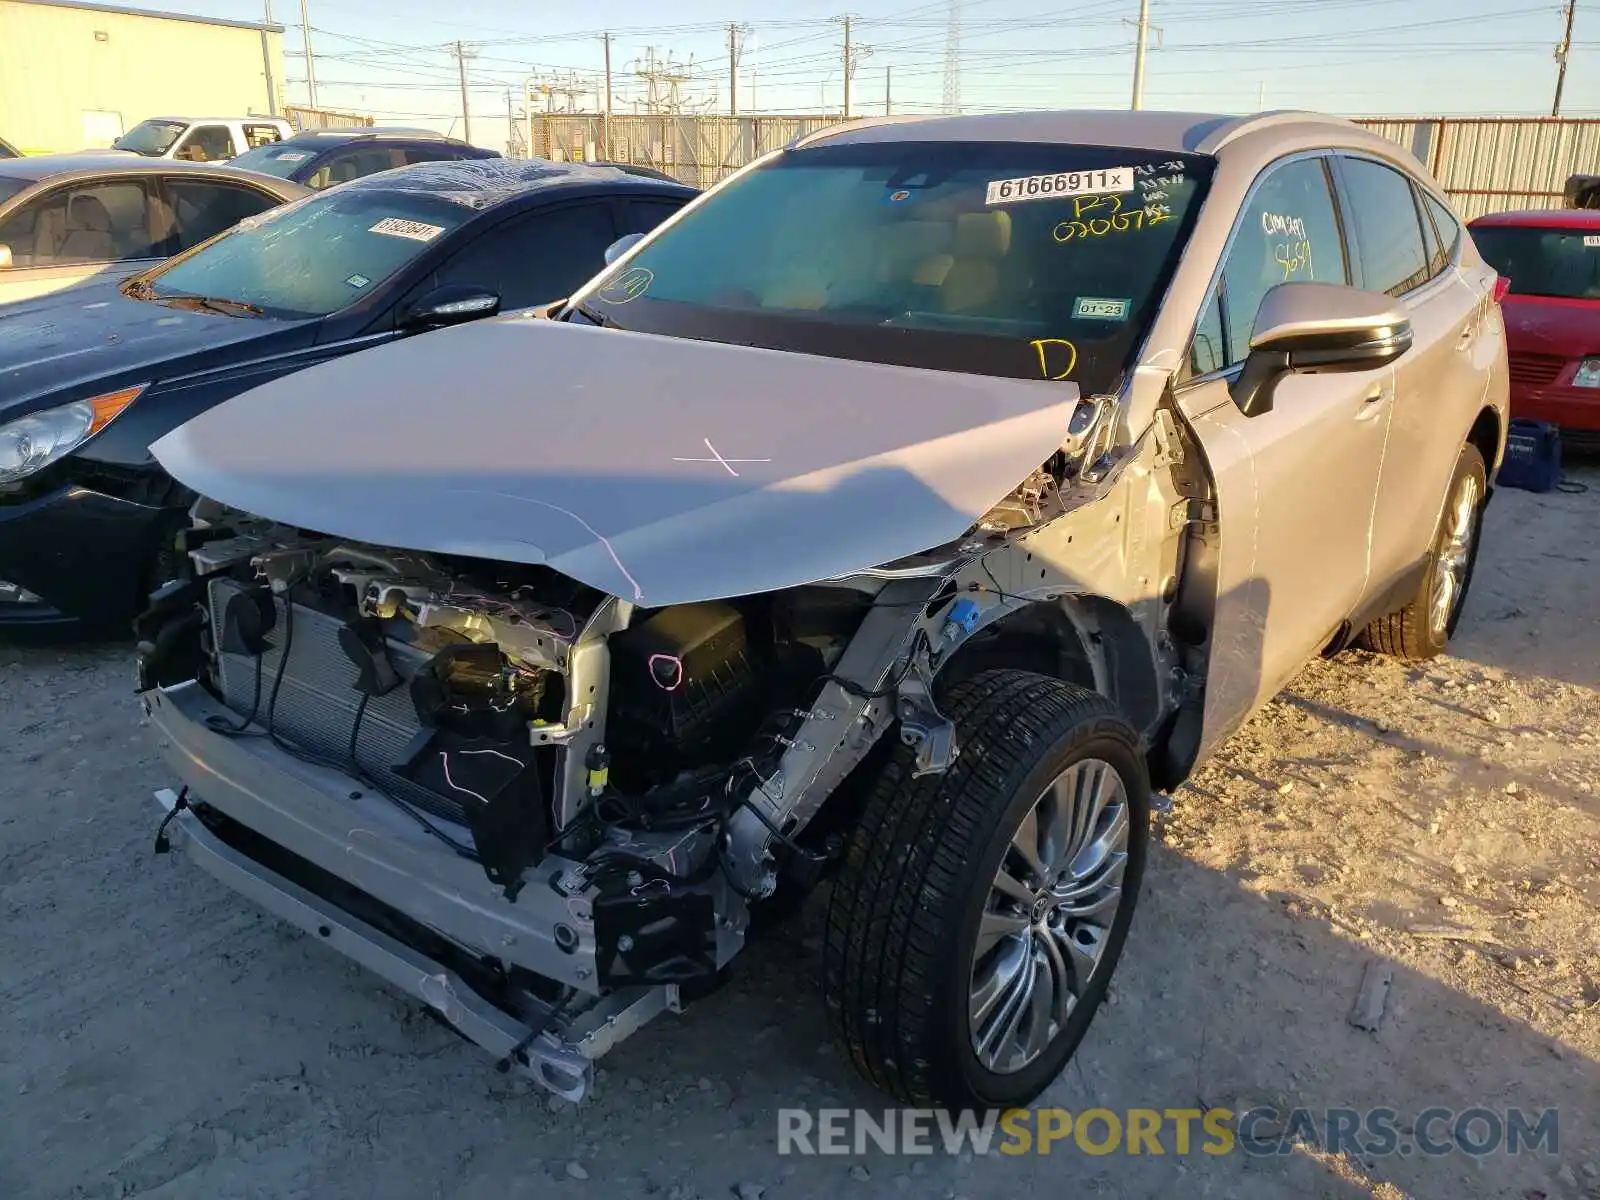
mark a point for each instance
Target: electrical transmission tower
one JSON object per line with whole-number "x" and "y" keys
{"x": 663, "y": 80}
{"x": 952, "y": 60}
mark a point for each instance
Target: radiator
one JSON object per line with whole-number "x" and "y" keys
{"x": 317, "y": 701}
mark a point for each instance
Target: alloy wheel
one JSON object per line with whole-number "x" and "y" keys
{"x": 1048, "y": 915}
{"x": 1455, "y": 553}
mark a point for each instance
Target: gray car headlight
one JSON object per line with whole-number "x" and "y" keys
{"x": 33, "y": 442}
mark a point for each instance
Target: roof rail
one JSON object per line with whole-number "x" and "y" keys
{"x": 1234, "y": 130}
{"x": 827, "y": 131}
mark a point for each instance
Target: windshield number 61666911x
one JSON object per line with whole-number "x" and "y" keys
{"x": 1063, "y": 183}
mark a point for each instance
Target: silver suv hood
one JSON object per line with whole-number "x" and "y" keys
{"x": 657, "y": 469}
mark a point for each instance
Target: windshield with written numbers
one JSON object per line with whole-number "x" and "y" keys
{"x": 282, "y": 159}
{"x": 1021, "y": 260}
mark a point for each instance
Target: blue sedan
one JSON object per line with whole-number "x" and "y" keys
{"x": 90, "y": 377}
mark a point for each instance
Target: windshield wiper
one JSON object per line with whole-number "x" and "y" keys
{"x": 216, "y": 304}
{"x": 599, "y": 318}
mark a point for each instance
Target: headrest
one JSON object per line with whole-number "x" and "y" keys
{"x": 984, "y": 234}
{"x": 86, "y": 212}
{"x": 917, "y": 239}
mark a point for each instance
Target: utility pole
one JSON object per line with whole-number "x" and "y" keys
{"x": 886, "y": 105}
{"x": 461, "y": 54}
{"x": 733, "y": 69}
{"x": 847, "y": 65}
{"x": 605, "y": 109}
{"x": 266, "y": 63}
{"x": 311, "y": 62}
{"x": 1562, "y": 50}
{"x": 853, "y": 54}
{"x": 511, "y": 128}
{"x": 1138, "y": 55}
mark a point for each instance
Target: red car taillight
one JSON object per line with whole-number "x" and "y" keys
{"x": 1502, "y": 286}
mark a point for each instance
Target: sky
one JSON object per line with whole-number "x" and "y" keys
{"x": 392, "y": 58}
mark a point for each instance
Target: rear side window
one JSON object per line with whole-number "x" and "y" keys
{"x": 261, "y": 135}
{"x": 354, "y": 164}
{"x": 208, "y": 143}
{"x": 422, "y": 154}
{"x": 1445, "y": 222}
{"x": 201, "y": 210}
{"x": 1394, "y": 258}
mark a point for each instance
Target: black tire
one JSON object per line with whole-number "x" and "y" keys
{"x": 903, "y": 918}
{"x": 1408, "y": 633}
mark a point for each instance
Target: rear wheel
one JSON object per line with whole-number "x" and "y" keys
{"x": 978, "y": 915}
{"x": 1424, "y": 626}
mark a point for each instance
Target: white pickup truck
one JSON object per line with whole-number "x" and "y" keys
{"x": 202, "y": 139}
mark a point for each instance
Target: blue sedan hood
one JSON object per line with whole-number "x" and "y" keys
{"x": 92, "y": 338}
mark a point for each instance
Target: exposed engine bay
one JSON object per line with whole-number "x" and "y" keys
{"x": 572, "y": 802}
{"x": 467, "y": 695}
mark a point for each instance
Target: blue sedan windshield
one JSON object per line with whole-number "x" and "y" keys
{"x": 313, "y": 257}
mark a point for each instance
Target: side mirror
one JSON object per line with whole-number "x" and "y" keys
{"x": 1315, "y": 327}
{"x": 5, "y": 257}
{"x": 621, "y": 246}
{"x": 452, "y": 304}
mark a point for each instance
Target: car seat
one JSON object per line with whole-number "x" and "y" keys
{"x": 88, "y": 232}
{"x": 969, "y": 276}
{"x": 164, "y": 242}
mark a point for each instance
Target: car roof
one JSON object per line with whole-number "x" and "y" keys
{"x": 1541, "y": 218}
{"x": 369, "y": 133}
{"x": 210, "y": 120}
{"x": 36, "y": 168}
{"x": 43, "y": 166}
{"x": 1145, "y": 129}
{"x": 487, "y": 182}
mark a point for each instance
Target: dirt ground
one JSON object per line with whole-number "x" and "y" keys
{"x": 161, "y": 1038}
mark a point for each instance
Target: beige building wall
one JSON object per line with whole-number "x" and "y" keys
{"x": 75, "y": 76}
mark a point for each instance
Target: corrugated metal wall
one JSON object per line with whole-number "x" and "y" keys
{"x": 302, "y": 117}
{"x": 1496, "y": 164}
{"x": 697, "y": 150}
{"x": 1486, "y": 164}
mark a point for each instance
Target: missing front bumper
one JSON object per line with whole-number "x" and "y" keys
{"x": 562, "y": 1064}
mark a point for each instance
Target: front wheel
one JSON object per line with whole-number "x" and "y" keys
{"x": 978, "y": 915}
{"x": 1423, "y": 628}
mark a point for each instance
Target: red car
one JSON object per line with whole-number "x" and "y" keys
{"x": 1552, "y": 313}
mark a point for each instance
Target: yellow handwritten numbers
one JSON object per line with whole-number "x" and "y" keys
{"x": 1063, "y": 183}
{"x": 1097, "y": 216}
{"x": 1052, "y": 353}
{"x": 1295, "y": 259}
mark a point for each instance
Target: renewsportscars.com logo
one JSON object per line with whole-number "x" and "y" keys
{"x": 1257, "y": 1132}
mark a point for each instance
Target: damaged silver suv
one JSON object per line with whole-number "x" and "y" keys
{"x": 898, "y": 514}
